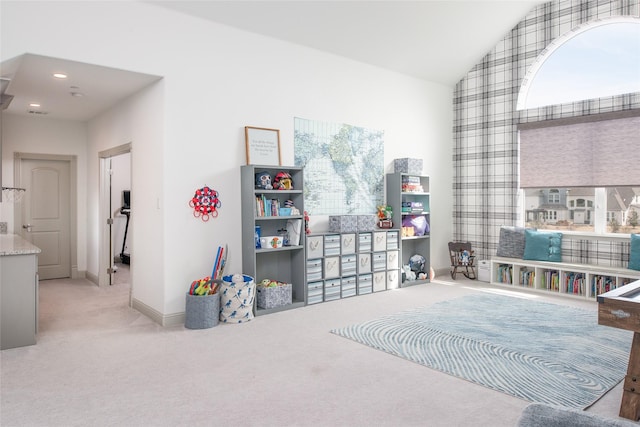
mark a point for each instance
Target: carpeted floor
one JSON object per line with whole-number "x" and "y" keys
{"x": 100, "y": 363}
{"x": 537, "y": 351}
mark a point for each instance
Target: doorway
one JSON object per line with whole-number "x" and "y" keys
{"x": 47, "y": 215}
{"x": 115, "y": 235}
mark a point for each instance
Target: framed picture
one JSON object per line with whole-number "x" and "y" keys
{"x": 263, "y": 146}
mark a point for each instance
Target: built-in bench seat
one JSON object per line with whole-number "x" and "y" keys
{"x": 563, "y": 278}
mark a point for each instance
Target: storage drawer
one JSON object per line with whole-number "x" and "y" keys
{"x": 348, "y": 264}
{"x": 314, "y": 269}
{"x": 379, "y": 260}
{"x": 348, "y": 286}
{"x": 315, "y": 248}
{"x": 364, "y": 263}
{"x": 331, "y": 244}
{"x": 364, "y": 242}
{"x": 331, "y": 267}
{"x": 365, "y": 284}
{"x": 392, "y": 260}
{"x": 379, "y": 240}
{"x": 348, "y": 244}
{"x": 315, "y": 292}
{"x": 379, "y": 281}
{"x": 392, "y": 240}
{"x": 393, "y": 279}
{"x": 331, "y": 289}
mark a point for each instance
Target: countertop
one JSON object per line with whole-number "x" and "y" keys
{"x": 12, "y": 244}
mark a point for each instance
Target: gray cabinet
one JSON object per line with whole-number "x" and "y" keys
{"x": 342, "y": 265}
{"x": 19, "y": 300}
{"x": 408, "y": 195}
{"x": 266, "y": 209}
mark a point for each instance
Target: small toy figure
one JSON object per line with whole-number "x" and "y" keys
{"x": 465, "y": 257}
{"x": 263, "y": 180}
{"x": 306, "y": 223}
{"x": 385, "y": 213}
{"x": 283, "y": 181}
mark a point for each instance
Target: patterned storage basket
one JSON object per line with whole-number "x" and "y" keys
{"x": 236, "y": 299}
{"x": 202, "y": 311}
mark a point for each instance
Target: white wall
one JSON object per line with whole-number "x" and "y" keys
{"x": 216, "y": 80}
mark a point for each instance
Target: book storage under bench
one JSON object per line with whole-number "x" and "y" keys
{"x": 578, "y": 280}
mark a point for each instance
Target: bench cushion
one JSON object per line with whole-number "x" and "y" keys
{"x": 542, "y": 245}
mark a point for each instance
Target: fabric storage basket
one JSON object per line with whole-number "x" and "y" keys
{"x": 407, "y": 165}
{"x": 236, "y": 298}
{"x": 273, "y": 297}
{"x": 202, "y": 311}
{"x": 343, "y": 223}
{"x": 367, "y": 222}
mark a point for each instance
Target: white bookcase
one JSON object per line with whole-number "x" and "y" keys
{"x": 577, "y": 280}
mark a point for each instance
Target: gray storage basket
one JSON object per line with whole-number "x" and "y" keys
{"x": 202, "y": 311}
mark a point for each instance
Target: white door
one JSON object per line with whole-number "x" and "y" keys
{"x": 46, "y": 214}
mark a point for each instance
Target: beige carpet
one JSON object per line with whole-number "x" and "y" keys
{"x": 100, "y": 363}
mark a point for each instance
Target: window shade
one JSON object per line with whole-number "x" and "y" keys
{"x": 603, "y": 153}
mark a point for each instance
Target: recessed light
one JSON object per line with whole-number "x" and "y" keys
{"x": 34, "y": 104}
{"x": 59, "y": 75}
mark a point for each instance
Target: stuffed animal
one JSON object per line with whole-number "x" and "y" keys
{"x": 263, "y": 180}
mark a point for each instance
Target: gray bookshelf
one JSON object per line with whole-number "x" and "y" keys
{"x": 419, "y": 194}
{"x": 287, "y": 263}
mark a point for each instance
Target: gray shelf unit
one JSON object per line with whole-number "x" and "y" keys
{"x": 343, "y": 265}
{"x": 285, "y": 264}
{"x": 395, "y": 198}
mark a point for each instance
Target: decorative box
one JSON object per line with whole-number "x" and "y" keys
{"x": 366, "y": 222}
{"x": 343, "y": 223}
{"x": 407, "y": 165}
{"x": 273, "y": 297}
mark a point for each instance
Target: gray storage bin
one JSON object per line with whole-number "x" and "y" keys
{"x": 202, "y": 311}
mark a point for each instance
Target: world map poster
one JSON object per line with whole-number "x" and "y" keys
{"x": 343, "y": 167}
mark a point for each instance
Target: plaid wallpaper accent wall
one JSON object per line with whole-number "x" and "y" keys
{"x": 485, "y": 150}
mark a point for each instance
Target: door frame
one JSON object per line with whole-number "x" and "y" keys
{"x": 105, "y": 251}
{"x": 18, "y": 216}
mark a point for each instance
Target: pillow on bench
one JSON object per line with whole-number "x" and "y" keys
{"x": 511, "y": 242}
{"x": 634, "y": 253}
{"x": 542, "y": 245}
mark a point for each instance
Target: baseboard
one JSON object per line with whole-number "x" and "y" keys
{"x": 91, "y": 277}
{"x": 153, "y": 314}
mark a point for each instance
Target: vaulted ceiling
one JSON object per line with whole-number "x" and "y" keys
{"x": 437, "y": 41}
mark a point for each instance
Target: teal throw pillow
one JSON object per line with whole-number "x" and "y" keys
{"x": 542, "y": 246}
{"x": 634, "y": 254}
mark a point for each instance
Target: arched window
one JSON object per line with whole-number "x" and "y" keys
{"x": 598, "y": 59}
{"x": 588, "y": 156}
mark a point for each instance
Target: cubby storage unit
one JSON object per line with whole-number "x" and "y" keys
{"x": 342, "y": 265}
{"x": 408, "y": 195}
{"x": 287, "y": 263}
{"x": 579, "y": 280}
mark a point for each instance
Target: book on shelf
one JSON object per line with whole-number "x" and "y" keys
{"x": 267, "y": 207}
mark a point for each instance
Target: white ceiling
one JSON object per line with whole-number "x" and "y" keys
{"x": 101, "y": 87}
{"x": 437, "y": 41}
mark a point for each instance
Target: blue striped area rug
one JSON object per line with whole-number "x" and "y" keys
{"x": 537, "y": 351}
